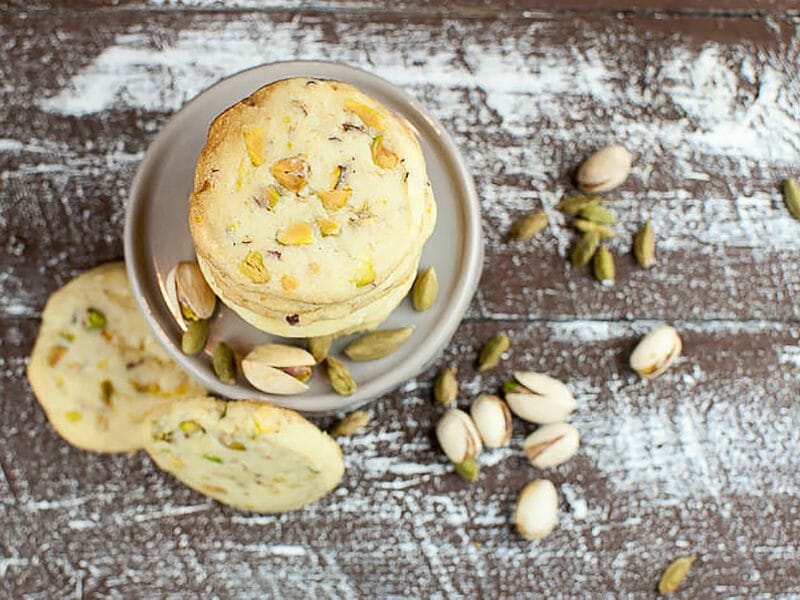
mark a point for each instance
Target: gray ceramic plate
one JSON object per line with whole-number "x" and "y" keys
{"x": 157, "y": 237}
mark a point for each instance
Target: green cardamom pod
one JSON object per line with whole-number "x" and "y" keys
{"x": 195, "y": 337}
{"x": 598, "y": 214}
{"x": 584, "y": 226}
{"x": 468, "y": 469}
{"x": 791, "y": 194}
{"x": 528, "y": 226}
{"x": 674, "y": 574}
{"x": 350, "y": 424}
{"x": 493, "y": 351}
{"x": 604, "y": 265}
{"x": 378, "y": 344}
{"x": 341, "y": 380}
{"x": 585, "y": 248}
{"x": 423, "y": 294}
{"x": 320, "y": 346}
{"x": 571, "y": 205}
{"x": 224, "y": 363}
{"x": 445, "y": 386}
{"x": 644, "y": 246}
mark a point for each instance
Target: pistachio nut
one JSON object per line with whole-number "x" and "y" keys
{"x": 468, "y": 469}
{"x": 340, "y": 378}
{"x": 278, "y": 369}
{"x": 603, "y": 265}
{"x": 457, "y": 436}
{"x": 674, "y": 574}
{"x": 320, "y": 346}
{"x": 657, "y": 350}
{"x": 552, "y": 445}
{"x": 791, "y": 194}
{"x": 644, "y": 246}
{"x": 492, "y": 420}
{"x": 604, "y": 170}
{"x": 528, "y": 226}
{"x": 584, "y": 249}
{"x": 493, "y": 351}
{"x": 536, "y": 512}
{"x": 94, "y": 320}
{"x": 224, "y": 363}
{"x": 377, "y": 344}
{"x": 195, "y": 297}
{"x": 445, "y": 386}
{"x": 539, "y": 398}
{"x": 571, "y": 205}
{"x": 425, "y": 289}
{"x": 195, "y": 337}
{"x": 350, "y": 424}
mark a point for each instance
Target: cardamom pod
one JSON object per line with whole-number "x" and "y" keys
{"x": 584, "y": 226}
{"x": 598, "y": 214}
{"x": 585, "y": 248}
{"x": 341, "y": 380}
{"x": 604, "y": 265}
{"x": 493, "y": 351}
{"x": 674, "y": 574}
{"x": 791, "y": 193}
{"x": 320, "y": 346}
{"x": 423, "y": 294}
{"x": 378, "y": 344}
{"x": 571, "y": 205}
{"x": 528, "y": 226}
{"x": 468, "y": 469}
{"x": 644, "y": 246}
{"x": 350, "y": 424}
{"x": 445, "y": 386}
{"x": 195, "y": 336}
{"x": 224, "y": 363}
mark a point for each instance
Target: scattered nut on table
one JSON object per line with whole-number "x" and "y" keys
{"x": 538, "y": 398}
{"x": 492, "y": 420}
{"x": 656, "y": 351}
{"x": 604, "y": 170}
{"x": 536, "y": 512}
{"x": 552, "y": 445}
{"x": 458, "y": 436}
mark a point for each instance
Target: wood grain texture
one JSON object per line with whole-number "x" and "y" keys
{"x": 700, "y": 461}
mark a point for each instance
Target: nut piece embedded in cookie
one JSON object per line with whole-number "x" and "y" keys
{"x": 291, "y": 173}
{"x": 296, "y": 234}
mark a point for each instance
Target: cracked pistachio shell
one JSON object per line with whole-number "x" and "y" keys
{"x": 492, "y": 420}
{"x": 604, "y": 170}
{"x": 458, "y": 436}
{"x": 195, "y": 298}
{"x": 552, "y": 445}
{"x": 657, "y": 350}
{"x": 262, "y": 368}
{"x": 540, "y": 399}
{"x": 536, "y": 512}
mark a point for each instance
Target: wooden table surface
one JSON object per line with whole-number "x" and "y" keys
{"x": 700, "y": 461}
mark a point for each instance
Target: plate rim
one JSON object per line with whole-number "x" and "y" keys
{"x": 386, "y": 381}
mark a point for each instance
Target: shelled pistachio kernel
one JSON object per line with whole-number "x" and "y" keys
{"x": 656, "y": 351}
{"x": 536, "y": 511}
{"x": 224, "y": 363}
{"x": 195, "y": 337}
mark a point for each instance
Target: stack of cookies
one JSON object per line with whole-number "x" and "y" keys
{"x": 310, "y": 208}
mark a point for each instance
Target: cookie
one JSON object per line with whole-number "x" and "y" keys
{"x": 310, "y": 199}
{"x": 250, "y": 455}
{"x": 95, "y": 368}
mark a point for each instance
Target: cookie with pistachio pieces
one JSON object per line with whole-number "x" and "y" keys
{"x": 250, "y": 455}
{"x": 95, "y": 368}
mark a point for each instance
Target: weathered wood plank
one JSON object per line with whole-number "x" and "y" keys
{"x": 698, "y": 461}
{"x": 713, "y": 126}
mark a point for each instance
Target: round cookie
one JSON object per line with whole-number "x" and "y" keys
{"x": 250, "y": 455}
{"x": 309, "y": 192}
{"x": 95, "y": 368}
